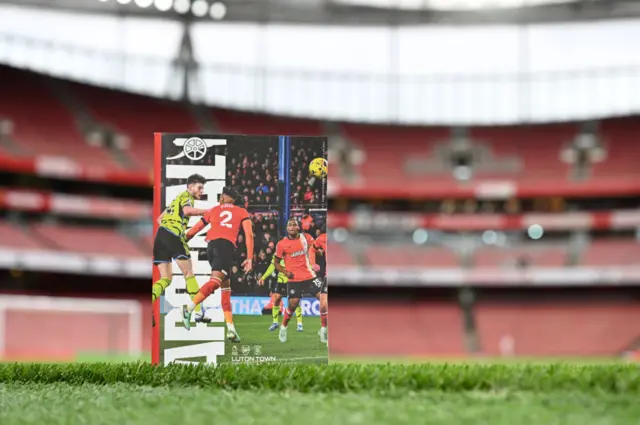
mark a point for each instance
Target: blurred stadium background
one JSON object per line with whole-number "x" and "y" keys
{"x": 484, "y": 188}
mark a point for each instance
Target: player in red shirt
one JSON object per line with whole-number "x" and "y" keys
{"x": 225, "y": 220}
{"x": 307, "y": 222}
{"x": 299, "y": 266}
{"x": 320, "y": 246}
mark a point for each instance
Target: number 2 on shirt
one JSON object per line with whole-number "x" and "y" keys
{"x": 227, "y": 218}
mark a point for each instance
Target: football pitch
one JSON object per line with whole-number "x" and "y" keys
{"x": 448, "y": 394}
{"x": 257, "y": 342}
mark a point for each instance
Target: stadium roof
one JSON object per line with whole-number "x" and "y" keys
{"x": 452, "y": 4}
{"x": 353, "y": 12}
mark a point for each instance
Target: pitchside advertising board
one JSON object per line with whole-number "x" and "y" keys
{"x": 273, "y": 175}
{"x": 256, "y": 306}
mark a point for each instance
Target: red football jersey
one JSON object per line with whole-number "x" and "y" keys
{"x": 295, "y": 253}
{"x": 226, "y": 222}
{"x": 321, "y": 242}
{"x": 307, "y": 222}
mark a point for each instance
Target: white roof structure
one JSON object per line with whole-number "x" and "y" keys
{"x": 354, "y": 12}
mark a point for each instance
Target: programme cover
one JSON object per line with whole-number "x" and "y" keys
{"x": 213, "y": 195}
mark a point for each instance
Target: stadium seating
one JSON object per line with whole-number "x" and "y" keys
{"x": 148, "y": 242}
{"x": 620, "y": 137}
{"x": 340, "y": 255}
{"x": 534, "y": 255}
{"x": 245, "y": 123}
{"x": 41, "y": 124}
{"x": 607, "y": 252}
{"x": 536, "y": 147}
{"x": 384, "y": 161}
{"x": 535, "y": 150}
{"x": 89, "y": 240}
{"x": 137, "y": 117}
{"x": 386, "y": 329}
{"x": 91, "y": 327}
{"x": 402, "y": 157}
{"x": 525, "y": 328}
{"x": 558, "y": 329}
{"x": 52, "y": 130}
{"x": 411, "y": 256}
{"x": 14, "y": 237}
{"x": 95, "y": 333}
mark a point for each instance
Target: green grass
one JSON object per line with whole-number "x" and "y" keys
{"x": 498, "y": 394}
{"x": 301, "y": 347}
{"x": 340, "y": 377}
{"x": 333, "y": 358}
{"x": 66, "y": 404}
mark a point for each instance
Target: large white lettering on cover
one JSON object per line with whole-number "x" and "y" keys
{"x": 206, "y": 341}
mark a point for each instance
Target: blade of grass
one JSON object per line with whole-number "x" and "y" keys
{"x": 339, "y": 377}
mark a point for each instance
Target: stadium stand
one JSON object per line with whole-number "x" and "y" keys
{"x": 52, "y": 130}
{"x": 536, "y": 154}
{"x": 588, "y": 328}
{"x": 538, "y": 328}
{"x": 612, "y": 251}
{"x": 14, "y": 237}
{"x": 135, "y": 117}
{"x": 88, "y": 240}
{"x": 426, "y": 327}
{"x": 92, "y": 328}
{"x": 340, "y": 255}
{"x": 544, "y": 255}
{"x": 229, "y": 121}
{"x": 401, "y": 256}
{"x": 398, "y": 160}
{"x": 424, "y": 159}
{"x": 379, "y": 143}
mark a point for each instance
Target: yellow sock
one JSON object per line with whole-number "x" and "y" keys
{"x": 158, "y": 288}
{"x": 299, "y": 315}
{"x": 192, "y": 289}
{"x": 275, "y": 313}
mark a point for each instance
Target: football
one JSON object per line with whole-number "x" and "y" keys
{"x": 318, "y": 167}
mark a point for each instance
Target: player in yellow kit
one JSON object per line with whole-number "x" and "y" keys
{"x": 277, "y": 292}
{"x": 170, "y": 243}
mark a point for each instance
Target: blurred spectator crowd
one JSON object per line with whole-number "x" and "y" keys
{"x": 254, "y": 171}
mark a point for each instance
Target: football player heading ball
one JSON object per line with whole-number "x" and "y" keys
{"x": 170, "y": 243}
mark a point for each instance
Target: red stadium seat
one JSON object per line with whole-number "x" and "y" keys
{"x": 137, "y": 117}
{"x": 620, "y": 138}
{"x": 42, "y": 125}
{"x": 364, "y": 328}
{"x": 533, "y": 152}
{"x": 411, "y": 256}
{"x": 558, "y": 329}
{"x": 609, "y": 252}
{"x": 149, "y": 244}
{"x": 537, "y": 148}
{"x": 246, "y": 123}
{"x": 89, "y": 240}
{"x": 14, "y": 237}
{"x": 339, "y": 255}
{"x": 384, "y": 160}
{"x": 534, "y": 254}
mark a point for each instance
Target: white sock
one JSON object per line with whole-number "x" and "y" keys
{"x": 231, "y": 327}
{"x": 191, "y": 306}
